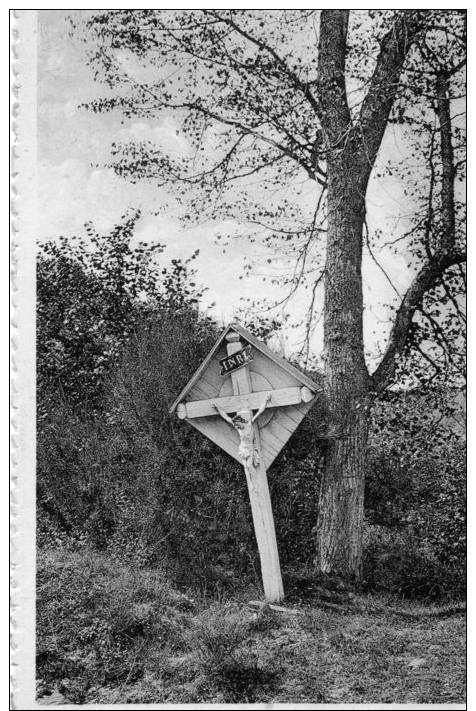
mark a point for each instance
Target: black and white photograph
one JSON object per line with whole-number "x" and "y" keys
{"x": 239, "y": 241}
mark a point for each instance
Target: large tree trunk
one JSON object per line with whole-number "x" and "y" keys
{"x": 351, "y": 145}
{"x": 341, "y": 502}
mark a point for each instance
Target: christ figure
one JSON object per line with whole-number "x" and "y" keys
{"x": 243, "y": 422}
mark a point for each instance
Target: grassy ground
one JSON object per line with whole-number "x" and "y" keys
{"x": 108, "y": 633}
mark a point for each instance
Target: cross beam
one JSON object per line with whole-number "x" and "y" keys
{"x": 245, "y": 401}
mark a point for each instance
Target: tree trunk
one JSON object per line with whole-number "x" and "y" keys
{"x": 341, "y": 501}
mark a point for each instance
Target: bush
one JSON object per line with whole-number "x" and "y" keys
{"x": 440, "y": 516}
{"x": 120, "y": 473}
{"x": 415, "y": 492}
{"x": 114, "y": 469}
{"x": 399, "y": 563}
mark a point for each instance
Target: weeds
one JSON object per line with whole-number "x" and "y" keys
{"x": 228, "y": 656}
{"x": 95, "y": 620}
{"x": 109, "y": 633}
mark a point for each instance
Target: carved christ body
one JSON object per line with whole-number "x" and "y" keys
{"x": 243, "y": 423}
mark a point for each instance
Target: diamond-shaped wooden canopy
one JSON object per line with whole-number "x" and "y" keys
{"x": 269, "y": 372}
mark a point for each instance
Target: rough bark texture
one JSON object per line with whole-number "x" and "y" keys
{"x": 351, "y": 150}
{"x": 341, "y": 504}
{"x": 447, "y": 164}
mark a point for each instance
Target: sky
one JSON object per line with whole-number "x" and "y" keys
{"x": 75, "y": 187}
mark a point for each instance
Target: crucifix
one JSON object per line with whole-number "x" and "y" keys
{"x": 245, "y": 424}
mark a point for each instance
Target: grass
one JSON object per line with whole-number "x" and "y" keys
{"x": 107, "y": 633}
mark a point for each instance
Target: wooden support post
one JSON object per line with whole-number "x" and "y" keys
{"x": 259, "y": 493}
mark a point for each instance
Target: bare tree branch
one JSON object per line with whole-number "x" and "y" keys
{"x": 295, "y": 80}
{"x": 428, "y": 276}
{"x": 447, "y": 162}
{"x": 333, "y": 109}
{"x": 451, "y": 298}
{"x": 384, "y": 84}
{"x": 375, "y": 260}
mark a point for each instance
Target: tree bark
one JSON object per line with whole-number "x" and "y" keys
{"x": 341, "y": 498}
{"x": 351, "y": 149}
{"x": 341, "y": 501}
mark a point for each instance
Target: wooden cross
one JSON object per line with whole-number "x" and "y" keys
{"x": 243, "y": 402}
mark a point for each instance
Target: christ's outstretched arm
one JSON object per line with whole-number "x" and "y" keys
{"x": 223, "y": 414}
{"x": 262, "y": 408}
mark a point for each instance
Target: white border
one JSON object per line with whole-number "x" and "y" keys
{"x": 23, "y": 381}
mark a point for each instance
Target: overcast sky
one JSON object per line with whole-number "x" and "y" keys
{"x": 73, "y": 190}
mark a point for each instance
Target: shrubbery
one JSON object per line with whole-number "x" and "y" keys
{"x": 400, "y": 562}
{"x": 415, "y": 495}
{"x": 133, "y": 479}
